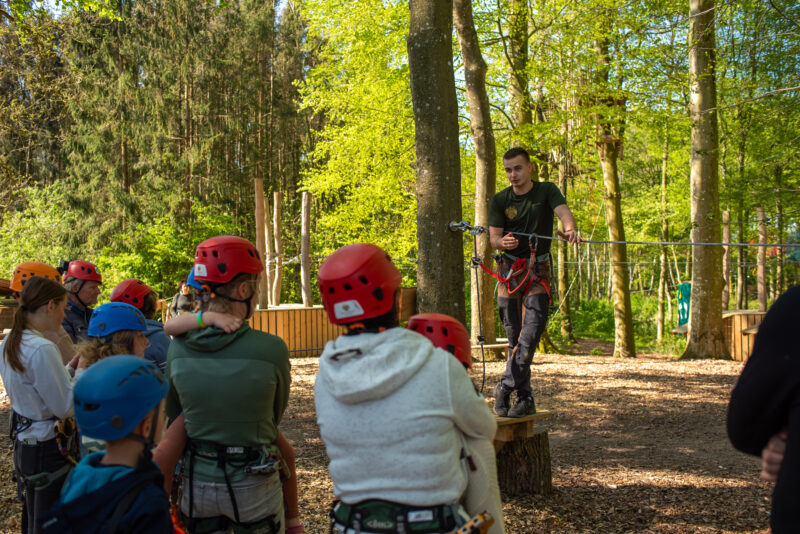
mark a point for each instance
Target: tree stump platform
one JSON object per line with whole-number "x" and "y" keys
{"x": 522, "y": 448}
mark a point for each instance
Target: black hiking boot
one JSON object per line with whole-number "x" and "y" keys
{"x": 524, "y": 406}
{"x": 501, "y": 400}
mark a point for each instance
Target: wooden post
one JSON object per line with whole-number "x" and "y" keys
{"x": 269, "y": 255}
{"x": 263, "y": 300}
{"x": 761, "y": 278}
{"x": 276, "y": 230}
{"x": 305, "y": 250}
{"x": 726, "y": 258}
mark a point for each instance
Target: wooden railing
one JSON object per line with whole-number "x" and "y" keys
{"x": 304, "y": 330}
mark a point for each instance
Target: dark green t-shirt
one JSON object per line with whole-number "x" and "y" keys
{"x": 531, "y": 213}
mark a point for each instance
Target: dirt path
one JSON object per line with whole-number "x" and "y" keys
{"x": 637, "y": 446}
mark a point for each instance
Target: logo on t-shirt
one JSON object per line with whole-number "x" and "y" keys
{"x": 511, "y": 213}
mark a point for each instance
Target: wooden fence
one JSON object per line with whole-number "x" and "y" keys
{"x": 305, "y": 330}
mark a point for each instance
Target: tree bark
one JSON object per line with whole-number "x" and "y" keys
{"x": 305, "y": 249}
{"x": 779, "y": 276}
{"x": 563, "y": 250}
{"x": 761, "y": 275}
{"x": 518, "y": 96}
{"x": 482, "y": 132}
{"x": 741, "y": 267}
{"x": 440, "y": 270}
{"x": 706, "y": 335}
{"x": 609, "y": 144}
{"x": 278, "y": 279}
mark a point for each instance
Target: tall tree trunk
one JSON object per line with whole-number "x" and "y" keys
{"x": 563, "y": 249}
{"x": 517, "y": 52}
{"x": 706, "y": 337}
{"x": 440, "y": 271}
{"x": 305, "y": 250}
{"x": 481, "y": 288}
{"x": 741, "y": 267}
{"x": 609, "y": 144}
{"x": 276, "y": 231}
{"x": 662, "y": 276}
{"x": 761, "y": 276}
{"x": 726, "y": 258}
{"x": 779, "y": 276}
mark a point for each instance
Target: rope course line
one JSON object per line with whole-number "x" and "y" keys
{"x": 465, "y": 226}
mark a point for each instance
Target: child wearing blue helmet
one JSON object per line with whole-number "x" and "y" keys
{"x": 120, "y": 401}
{"x": 114, "y": 328}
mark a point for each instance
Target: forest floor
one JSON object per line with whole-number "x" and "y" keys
{"x": 637, "y": 445}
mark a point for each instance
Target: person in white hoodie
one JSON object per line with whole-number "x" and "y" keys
{"x": 392, "y": 409}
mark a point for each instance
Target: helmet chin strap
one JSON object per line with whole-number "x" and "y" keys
{"x": 148, "y": 441}
{"x": 246, "y": 301}
{"x": 75, "y": 294}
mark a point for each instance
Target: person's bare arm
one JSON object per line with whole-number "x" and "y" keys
{"x": 186, "y": 322}
{"x": 64, "y": 344}
{"x": 772, "y": 457}
{"x": 570, "y": 232}
{"x": 500, "y": 241}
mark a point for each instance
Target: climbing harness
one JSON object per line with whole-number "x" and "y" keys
{"x": 249, "y": 459}
{"x": 379, "y": 516}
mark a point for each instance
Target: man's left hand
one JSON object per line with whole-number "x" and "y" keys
{"x": 570, "y": 235}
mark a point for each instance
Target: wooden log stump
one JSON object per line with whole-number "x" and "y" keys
{"x": 523, "y": 455}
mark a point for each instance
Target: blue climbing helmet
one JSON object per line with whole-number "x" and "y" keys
{"x": 191, "y": 282}
{"x": 116, "y": 394}
{"x": 113, "y": 317}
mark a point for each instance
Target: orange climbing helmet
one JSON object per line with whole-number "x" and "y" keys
{"x": 358, "y": 282}
{"x": 444, "y": 332}
{"x": 27, "y": 270}
{"x": 131, "y": 291}
{"x": 219, "y": 259}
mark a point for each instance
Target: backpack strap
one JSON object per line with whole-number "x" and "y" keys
{"x": 125, "y": 504}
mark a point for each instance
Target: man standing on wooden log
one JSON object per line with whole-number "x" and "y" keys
{"x": 523, "y": 269}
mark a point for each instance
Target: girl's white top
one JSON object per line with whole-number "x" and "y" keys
{"x": 43, "y": 393}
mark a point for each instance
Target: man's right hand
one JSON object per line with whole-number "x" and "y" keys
{"x": 509, "y": 242}
{"x": 772, "y": 457}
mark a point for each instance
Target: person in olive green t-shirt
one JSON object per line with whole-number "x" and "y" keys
{"x": 525, "y": 207}
{"x": 233, "y": 388}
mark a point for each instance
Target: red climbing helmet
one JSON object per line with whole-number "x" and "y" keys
{"x": 358, "y": 282}
{"x": 27, "y": 270}
{"x": 445, "y": 333}
{"x": 131, "y": 291}
{"x": 219, "y": 259}
{"x": 83, "y": 270}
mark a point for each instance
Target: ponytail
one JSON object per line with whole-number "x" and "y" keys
{"x": 36, "y": 293}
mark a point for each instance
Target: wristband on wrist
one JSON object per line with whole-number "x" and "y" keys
{"x": 200, "y": 320}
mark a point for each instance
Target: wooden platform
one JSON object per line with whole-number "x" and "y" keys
{"x": 737, "y": 324}
{"x": 522, "y": 446}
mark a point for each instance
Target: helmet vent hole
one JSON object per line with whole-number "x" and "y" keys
{"x": 89, "y": 407}
{"x": 429, "y": 329}
{"x": 215, "y": 253}
{"x": 204, "y": 254}
{"x": 363, "y": 280}
{"x": 331, "y": 290}
{"x": 444, "y": 331}
{"x": 251, "y": 253}
{"x": 222, "y": 267}
{"x": 378, "y": 292}
{"x": 451, "y": 348}
{"x": 348, "y": 287}
{"x": 117, "y": 422}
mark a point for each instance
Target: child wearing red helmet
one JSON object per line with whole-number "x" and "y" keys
{"x": 483, "y": 490}
{"x": 392, "y": 409}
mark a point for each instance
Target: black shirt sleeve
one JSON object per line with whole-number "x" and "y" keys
{"x": 769, "y": 386}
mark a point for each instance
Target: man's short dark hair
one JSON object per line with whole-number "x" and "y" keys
{"x": 517, "y": 151}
